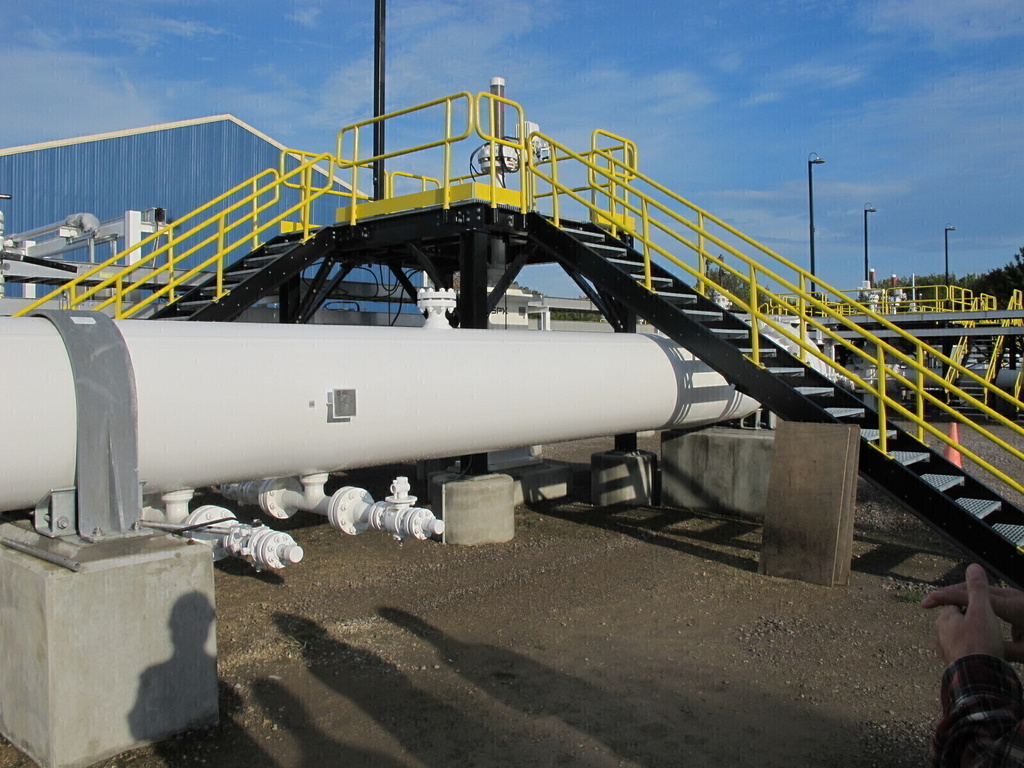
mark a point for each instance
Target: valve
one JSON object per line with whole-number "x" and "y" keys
{"x": 353, "y": 511}
{"x": 227, "y": 536}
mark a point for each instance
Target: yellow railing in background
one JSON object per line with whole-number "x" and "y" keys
{"x": 665, "y": 223}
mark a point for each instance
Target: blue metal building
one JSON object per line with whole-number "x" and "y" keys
{"x": 175, "y": 166}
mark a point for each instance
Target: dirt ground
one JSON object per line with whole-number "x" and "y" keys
{"x": 636, "y": 637}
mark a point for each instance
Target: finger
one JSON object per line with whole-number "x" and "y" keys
{"x": 977, "y": 589}
{"x": 955, "y": 594}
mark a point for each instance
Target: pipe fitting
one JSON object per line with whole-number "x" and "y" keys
{"x": 263, "y": 547}
{"x": 353, "y": 511}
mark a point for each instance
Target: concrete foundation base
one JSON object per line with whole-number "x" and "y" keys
{"x": 475, "y": 510}
{"x": 117, "y": 655}
{"x": 619, "y": 477}
{"x": 808, "y": 525}
{"x": 717, "y": 469}
{"x": 543, "y": 482}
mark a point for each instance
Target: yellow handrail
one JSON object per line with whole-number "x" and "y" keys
{"x": 242, "y": 208}
{"x": 349, "y": 142}
{"x": 811, "y": 310}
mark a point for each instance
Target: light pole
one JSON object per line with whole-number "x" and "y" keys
{"x": 379, "y": 26}
{"x": 949, "y": 228}
{"x": 812, "y": 160}
{"x": 868, "y": 208}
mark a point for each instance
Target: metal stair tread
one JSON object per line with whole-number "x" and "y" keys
{"x": 710, "y": 314}
{"x": 980, "y": 508}
{"x": 872, "y": 435}
{"x": 1011, "y": 532}
{"x": 733, "y": 332}
{"x": 907, "y": 458}
{"x": 580, "y": 234}
{"x": 682, "y": 298}
{"x": 812, "y": 391}
{"x": 943, "y": 482}
{"x": 610, "y": 247}
{"x": 844, "y": 413}
{"x": 786, "y": 371}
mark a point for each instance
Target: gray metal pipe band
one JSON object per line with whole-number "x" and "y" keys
{"x": 107, "y": 494}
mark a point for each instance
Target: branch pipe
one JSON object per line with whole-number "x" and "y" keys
{"x": 351, "y": 510}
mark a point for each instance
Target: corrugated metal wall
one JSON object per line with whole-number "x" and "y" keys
{"x": 177, "y": 168}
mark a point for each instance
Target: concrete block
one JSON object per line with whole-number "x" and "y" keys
{"x": 544, "y": 482}
{"x": 476, "y": 510}
{"x": 808, "y": 527}
{"x": 619, "y": 477}
{"x": 117, "y": 655}
{"x": 718, "y": 469}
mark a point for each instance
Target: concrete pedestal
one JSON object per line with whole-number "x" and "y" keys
{"x": 808, "y": 525}
{"x": 475, "y": 510}
{"x": 718, "y": 469}
{"x": 621, "y": 477}
{"x": 119, "y": 654}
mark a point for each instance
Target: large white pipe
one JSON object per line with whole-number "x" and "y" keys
{"x": 222, "y": 402}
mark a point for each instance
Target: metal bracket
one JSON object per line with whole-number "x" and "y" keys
{"x": 107, "y": 501}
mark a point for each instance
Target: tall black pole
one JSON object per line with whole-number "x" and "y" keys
{"x": 867, "y": 277}
{"x": 378, "y": 98}
{"x": 949, "y": 228}
{"x": 812, "y": 160}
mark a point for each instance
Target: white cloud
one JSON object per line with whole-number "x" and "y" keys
{"x": 306, "y": 16}
{"x": 950, "y": 20}
{"x": 58, "y": 95}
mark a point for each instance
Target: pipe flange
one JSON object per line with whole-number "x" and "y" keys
{"x": 346, "y": 509}
{"x": 273, "y": 549}
{"x": 209, "y": 513}
{"x": 272, "y": 495}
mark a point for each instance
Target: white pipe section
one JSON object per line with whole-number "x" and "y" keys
{"x": 218, "y": 402}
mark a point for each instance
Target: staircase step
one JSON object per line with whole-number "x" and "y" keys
{"x": 639, "y": 277}
{"x": 943, "y": 482}
{"x": 765, "y": 351}
{"x": 238, "y": 275}
{"x": 872, "y": 435}
{"x": 608, "y": 248}
{"x": 731, "y": 333}
{"x": 980, "y": 508}
{"x": 1012, "y": 533}
{"x": 584, "y": 234}
{"x": 814, "y": 391}
{"x": 787, "y": 371}
{"x": 678, "y": 298}
{"x": 906, "y": 458}
{"x": 703, "y": 314}
{"x": 635, "y": 263}
{"x": 845, "y": 413}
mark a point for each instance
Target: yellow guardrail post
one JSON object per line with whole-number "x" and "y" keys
{"x": 881, "y": 397}
{"x": 919, "y": 393}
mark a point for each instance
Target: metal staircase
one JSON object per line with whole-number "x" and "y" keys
{"x": 953, "y": 502}
{"x": 261, "y": 273}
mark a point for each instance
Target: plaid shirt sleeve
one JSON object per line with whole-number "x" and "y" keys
{"x": 983, "y": 715}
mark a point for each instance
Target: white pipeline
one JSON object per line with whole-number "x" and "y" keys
{"x": 222, "y": 402}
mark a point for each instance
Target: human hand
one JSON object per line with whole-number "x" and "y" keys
{"x": 1008, "y": 605}
{"x": 976, "y": 630}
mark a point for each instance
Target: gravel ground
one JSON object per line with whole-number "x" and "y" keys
{"x": 598, "y": 637}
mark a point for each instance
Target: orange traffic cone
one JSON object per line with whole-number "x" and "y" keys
{"x": 951, "y": 454}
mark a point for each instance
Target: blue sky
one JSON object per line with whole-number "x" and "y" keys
{"x": 916, "y": 105}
